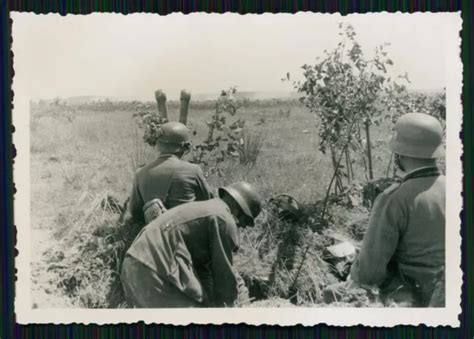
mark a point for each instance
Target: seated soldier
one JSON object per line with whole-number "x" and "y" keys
{"x": 403, "y": 250}
{"x": 183, "y": 258}
{"x": 168, "y": 181}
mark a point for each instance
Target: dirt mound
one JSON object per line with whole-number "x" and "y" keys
{"x": 282, "y": 259}
{"x": 278, "y": 259}
{"x": 289, "y": 259}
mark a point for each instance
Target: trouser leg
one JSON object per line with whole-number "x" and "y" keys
{"x": 144, "y": 288}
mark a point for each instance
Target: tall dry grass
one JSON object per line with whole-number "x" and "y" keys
{"x": 139, "y": 153}
{"x": 76, "y": 165}
{"x": 251, "y": 147}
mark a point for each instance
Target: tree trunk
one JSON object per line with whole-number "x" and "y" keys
{"x": 210, "y": 135}
{"x": 364, "y": 159}
{"x": 337, "y": 176}
{"x": 350, "y": 174}
{"x": 333, "y": 158}
{"x": 351, "y": 164}
{"x": 339, "y": 187}
{"x": 389, "y": 165}
{"x": 369, "y": 149}
{"x": 365, "y": 166}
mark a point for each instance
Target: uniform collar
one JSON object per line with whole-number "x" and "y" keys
{"x": 167, "y": 155}
{"x": 429, "y": 171}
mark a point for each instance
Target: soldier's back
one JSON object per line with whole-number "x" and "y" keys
{"x": 170, "y": 179}
{"x": 422, "y": 222}
{"x": 189, "y": 222}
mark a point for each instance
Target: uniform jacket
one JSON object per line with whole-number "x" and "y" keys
{"x": 191, "y": 247}
{"x": 170, "y": 179}
{"x": 406, "y": 232}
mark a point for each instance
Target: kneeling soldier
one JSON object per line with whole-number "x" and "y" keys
{"x": 184, "y": 257}
{"x": 403, "y": 250}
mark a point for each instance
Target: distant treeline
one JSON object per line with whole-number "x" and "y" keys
{"x": 432, "y": 101}
{"x": 137, "y": 106}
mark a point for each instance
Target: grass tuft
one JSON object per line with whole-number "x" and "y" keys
{"x": 251, "y": 147}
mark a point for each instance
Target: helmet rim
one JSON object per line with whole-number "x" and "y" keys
{"x": 416, "y": 151}
{"x": 241, "y": 201}
{"x": 173, "y": 133}
{"x": 417, "y": 135}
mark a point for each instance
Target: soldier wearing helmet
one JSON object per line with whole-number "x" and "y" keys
{"x": 403, "y": 250}
{"x": 183, "y": 258}
{"x": 168, "y": 181}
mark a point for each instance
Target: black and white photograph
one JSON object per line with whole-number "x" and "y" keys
{"x": 266, "y": 169}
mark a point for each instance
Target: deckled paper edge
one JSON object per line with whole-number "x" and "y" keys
{"x": 448, "y": 316}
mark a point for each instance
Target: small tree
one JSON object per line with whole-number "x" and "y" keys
{"x": 224, "y": 139}
{"x": 343, "y": 89}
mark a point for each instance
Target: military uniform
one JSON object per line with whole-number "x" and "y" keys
{"x": 170, "y": 179}
{"x": 404, "y": 245}
{"x": 184, "y": 259}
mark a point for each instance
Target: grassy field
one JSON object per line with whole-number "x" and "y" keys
{"x": 79, "y": 158}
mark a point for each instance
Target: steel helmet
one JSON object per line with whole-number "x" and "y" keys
{"x": 418, "y": 135}
{"x": 286, "y": 207}
{"x": 246, "y": 197}
{"x": 173, "y": 133}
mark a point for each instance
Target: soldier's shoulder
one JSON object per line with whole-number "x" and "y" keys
{"x": 190, "y": 165}
{"x": 392, "y": 188}
{"x": 216, "y": 205}
{"x": 219, "y": 208}
{"x": 140, "y": 167}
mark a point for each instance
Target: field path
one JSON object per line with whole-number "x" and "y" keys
{"x": 44, "y": 290}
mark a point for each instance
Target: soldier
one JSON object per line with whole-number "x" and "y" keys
{"x": 403, "y": 250}
{"x": 184, "y": 257}
{"x": 168, "y": 181}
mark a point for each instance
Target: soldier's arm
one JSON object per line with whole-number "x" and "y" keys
{"x": 203, "y": 191}
{"x": 379, "y": 243}
{"x": 135, "y": 203}
{"x": 230, "y": 235}
{"x": 224, "y": 239}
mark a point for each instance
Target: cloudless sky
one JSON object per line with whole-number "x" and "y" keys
{"x": 128, "y": 57}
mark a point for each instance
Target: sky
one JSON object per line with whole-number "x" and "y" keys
{"x": 129, "y": 57}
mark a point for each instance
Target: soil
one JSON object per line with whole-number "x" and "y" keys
{"x": 283, "y": 262}
{"x": 44, "y": 290}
